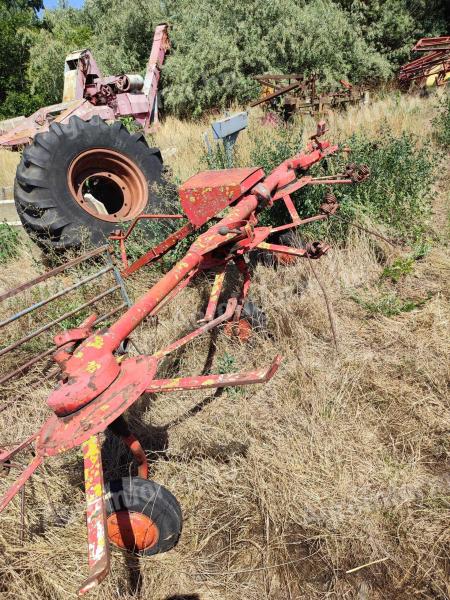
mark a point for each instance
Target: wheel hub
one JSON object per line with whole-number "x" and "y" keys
{"x": 108, "y": 185}
{"x": 132, "y": 531}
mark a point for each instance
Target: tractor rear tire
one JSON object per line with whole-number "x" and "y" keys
{"x": 80, "y": 180}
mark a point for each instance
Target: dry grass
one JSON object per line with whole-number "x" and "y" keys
{"x": 8, "y": 163}
{"x": 183, "y": 148}
{"x": 339, "y": 461}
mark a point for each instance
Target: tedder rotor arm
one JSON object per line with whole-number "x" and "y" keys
{"x": 98, "y": 545}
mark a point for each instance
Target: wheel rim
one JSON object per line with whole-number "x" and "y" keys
{"x": 132, "y": 531}
{"x": 108, "y": 185}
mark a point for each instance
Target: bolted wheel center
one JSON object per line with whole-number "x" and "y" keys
{"x": 132, "y": 531}
{"x": 108, "y": 185}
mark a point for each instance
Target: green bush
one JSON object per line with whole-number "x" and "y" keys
{"x": 220, "y": 46}
{"x": 9, "y": 242}
{"x": 441, "y": 123}
{"x": 397, "y": 194}
{"x": 388, "y": 304}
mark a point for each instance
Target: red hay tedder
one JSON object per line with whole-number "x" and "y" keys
{"x": 98, "y": 383}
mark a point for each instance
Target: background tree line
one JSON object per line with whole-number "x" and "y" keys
{"x": 217, "y": 46}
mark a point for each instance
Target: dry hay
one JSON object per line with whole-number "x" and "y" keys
{"x": 337, "y": 462}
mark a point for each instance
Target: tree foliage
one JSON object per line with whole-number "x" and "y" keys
{"x": 217, "y": 47}
{"x": 17, "y": 19}
{"x": 245, "y": 39}
{"x": 61, "y": 32}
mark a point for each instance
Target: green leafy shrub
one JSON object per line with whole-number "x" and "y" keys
{"x": 397, "y": 194}
{"x": 442, "y": 124}
{"x": 9, "y": 242}
{"x": 388, "y": 304}
{"x": 399, "y": 268}
{"x": 219, "y": 46}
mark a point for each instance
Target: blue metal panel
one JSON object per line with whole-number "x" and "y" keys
{"x": 229, "y": 125}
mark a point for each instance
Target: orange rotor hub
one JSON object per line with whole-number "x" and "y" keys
{"x": 238, "y": 329}
{"x": 132, "y": 531}
{"x": 286, "y": 259}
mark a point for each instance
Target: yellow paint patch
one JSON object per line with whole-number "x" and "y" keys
{"x": 97, "y": 342}
{"x": 93, "y": 366}
{"x": 172, "y": 383}
{"x": 78, "y": 354}
{"x": 91, "y": 449}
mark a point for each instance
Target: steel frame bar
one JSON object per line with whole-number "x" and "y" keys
{"x": 282, "y": 249}
{"x": 27, "y": 365}
{"x": 216, "y": 290}
{"x": 307, "y": 180}
{"x": 179, "y": 288}
{"x": 51, "y": 324}
{"x": 138, "y": 453}
{"x": 433, "y": 43}
{"x": 280, "y": 92}
{"x": 291, "y": 209}
{"x": 244, "y": 270}
{"x": 160, "y": 46}
{"x": 126, "y": 235}
{"x": 157, "y": 251}
{"x": 121, "y": 429}
{"x": 299, "y": 222}
{"x": 8, "y": 454}
{"x": 226, "y": 316}
{"x": 20, "y": 482}
{"x": 37, "y": 305}
{"x": 52, "y": 349}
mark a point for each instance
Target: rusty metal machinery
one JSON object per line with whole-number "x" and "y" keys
{"x": 86, "y": 93}
{"x": 97, "y": 383}
{"x": 289, "y": 94}
{"x": 433, "y": 66}
{"x": 111, "y": 174}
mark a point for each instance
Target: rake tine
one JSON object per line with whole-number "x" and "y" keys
{"x": 20, "y": 482}
{"x": 214, "y": 381}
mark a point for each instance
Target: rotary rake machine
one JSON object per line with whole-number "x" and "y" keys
{"x": 99, "y": 381}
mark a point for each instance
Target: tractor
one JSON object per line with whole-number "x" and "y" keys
{"x": 87, "y": 173}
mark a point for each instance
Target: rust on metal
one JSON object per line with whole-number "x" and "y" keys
{"x": 432, "y": 67}
{"x": 119, "y": 174}
{"x": 287, "y": 94}
{"x": 206, "y": 194}
{"x": 86, "y": 93}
